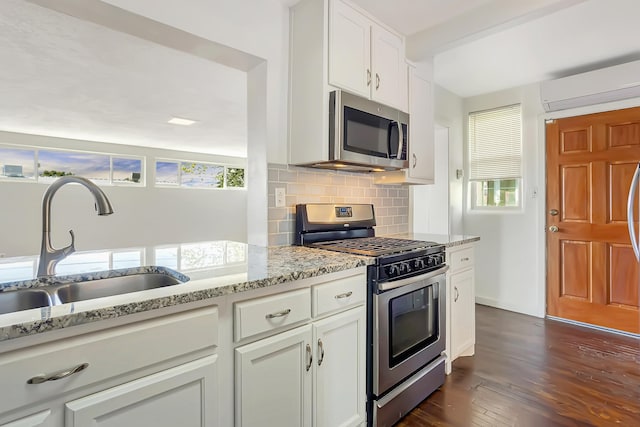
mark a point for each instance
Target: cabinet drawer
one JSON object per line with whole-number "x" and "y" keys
{"x": 339, "y": 294}
{"x": 109, "y": 353}
{"x": 270, "y": 313}
{"x": 461, "y": 259}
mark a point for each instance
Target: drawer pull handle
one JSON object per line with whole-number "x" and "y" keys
{"x": 464, "y": 259}
{"x": 309, "y": 357}
{"x": 455, "y": 299}
{"x": 344, "y": 295}
{"x": 57, "y": 376}
{"x": 321, "y": 348}
{"x": 278, "y": 314}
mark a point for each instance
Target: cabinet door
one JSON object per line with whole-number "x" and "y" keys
{"x": 463, "y": 328}
{"x": 273, "y": 380}
{"x": 40, "y": 419}
{"x": 388, "y": 66}
{"x": 183, "y": 396}
{"x": 340, "y": 395}
{"x": 421, "y": 132}
{"x": 349, "y": 49}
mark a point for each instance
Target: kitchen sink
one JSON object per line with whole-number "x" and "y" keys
{"x": 99, "y": 288}
{"x": 23, "y": 300}
{"x": 77, "y": 288}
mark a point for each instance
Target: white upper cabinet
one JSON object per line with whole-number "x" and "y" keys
{"x": 421, "y": 134}
{"x": 349, "y": 49}
{"x": 365, "y": 58}
{"x": 389, "y": 83}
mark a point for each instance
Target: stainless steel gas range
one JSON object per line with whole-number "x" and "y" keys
{"x": 405, "y": 305}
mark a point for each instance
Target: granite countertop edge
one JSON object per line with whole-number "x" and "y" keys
{"x": 50, "y": 323}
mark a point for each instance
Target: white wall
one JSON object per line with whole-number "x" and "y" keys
{"x": 507, "y": 257}
{"x": 257, "y": 27}
{"x": 142, "y": 216}
{"x": 448, "y": 111}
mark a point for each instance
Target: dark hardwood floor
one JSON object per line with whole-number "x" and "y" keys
{"x": 536, "y": 372}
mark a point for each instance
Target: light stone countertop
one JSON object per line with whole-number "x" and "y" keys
{"x": 448, "y": 240}
{"x": 214, "y": 268}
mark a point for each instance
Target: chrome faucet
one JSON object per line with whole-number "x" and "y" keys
{"x": 49, "y": 256}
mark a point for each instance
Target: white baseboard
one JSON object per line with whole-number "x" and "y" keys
{"x": 491, "y": 302}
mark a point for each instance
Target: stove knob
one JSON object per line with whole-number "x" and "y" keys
{"x": 419, "y": 263}
{"x": 407, "y": 267}
{"x": 393, "y": 270}
{"x": 431, "y": 261}
{"x": 401, "y": 267}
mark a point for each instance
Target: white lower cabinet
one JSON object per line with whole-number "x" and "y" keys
{"x": 39, "y": 419}
{"x": 313, "y": 375}
{"x": 461, "y": 317}
{"x": 462, "y": 314}
{"x": 145, "y": 373}
{"x": 340, "y": 371}
{"x": 273, "y": 380}
{"x": 181, "y": 396}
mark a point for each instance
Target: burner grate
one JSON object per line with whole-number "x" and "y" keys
{"x": 373, "y": 246}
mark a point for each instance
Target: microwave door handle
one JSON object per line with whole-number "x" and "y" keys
{"x": 400, "y": 140}
{"x": 389, "y": 148}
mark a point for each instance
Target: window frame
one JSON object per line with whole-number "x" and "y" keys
{"x": 37, "y": 179}
{"x": 472, "y": 184}
{"x": 180, "y": 184}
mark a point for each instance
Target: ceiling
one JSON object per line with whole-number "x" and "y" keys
{"x": 67, "y": 77}
{"x": 482, "y": 46}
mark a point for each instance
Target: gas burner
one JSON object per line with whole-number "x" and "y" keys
{"x": 373, "y": 246}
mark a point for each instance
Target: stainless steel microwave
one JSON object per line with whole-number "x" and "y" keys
{"x": 365, "y": 135}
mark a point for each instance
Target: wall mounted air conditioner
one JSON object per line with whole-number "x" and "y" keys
{"x": 595, "y": 87}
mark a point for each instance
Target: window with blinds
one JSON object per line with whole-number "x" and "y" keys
{"x": 495, "y": 157}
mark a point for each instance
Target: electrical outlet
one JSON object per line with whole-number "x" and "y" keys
{"x": 280, "y": 197}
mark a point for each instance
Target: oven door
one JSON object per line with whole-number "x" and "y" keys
{"x": 410, "y": 322}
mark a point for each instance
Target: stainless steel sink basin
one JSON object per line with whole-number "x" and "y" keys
{"x": 90, "y": 289}
{"x": 76, "y": 288}
{"x": 23, "y": 300}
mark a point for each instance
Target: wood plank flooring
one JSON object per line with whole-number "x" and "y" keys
{"x": 535, "y": 372}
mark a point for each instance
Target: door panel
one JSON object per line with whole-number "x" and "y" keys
{"x": 592, "y": 274}
{"x": 624, "y": 135}
{"x": 624, "y": 276}
{"x": 576, "y": 193}
{"x": 576, "y": 140}
{"x": 576, "y": 270}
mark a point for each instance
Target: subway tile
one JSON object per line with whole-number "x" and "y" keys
{"x": 277, "y": 214}
{"x": 338, "y": 180}
{"x": 272, "y": 175}
{"x": 287, "y": 176}
{"x": 365, "y": 182}
{"x": 357, "y": 192}
{"x": 285, "y": 226}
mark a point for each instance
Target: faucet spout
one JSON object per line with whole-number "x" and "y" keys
{"x": 50, "y": 256}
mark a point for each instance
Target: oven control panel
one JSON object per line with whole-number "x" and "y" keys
{"x": 409, "y": 265}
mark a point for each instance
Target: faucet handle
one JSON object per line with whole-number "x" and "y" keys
{"x": 71, "y": 248}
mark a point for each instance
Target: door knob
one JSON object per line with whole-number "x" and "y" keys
{"x": 553, "y": 212}
{"x": 553, "y": 229}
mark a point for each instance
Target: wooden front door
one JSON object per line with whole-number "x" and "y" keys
{"x": 592, "y": 272}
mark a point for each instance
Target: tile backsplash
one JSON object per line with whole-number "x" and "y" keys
{"x": 307, "y": 185}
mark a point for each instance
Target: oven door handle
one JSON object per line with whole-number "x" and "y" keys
{"x": 385, "y": 286}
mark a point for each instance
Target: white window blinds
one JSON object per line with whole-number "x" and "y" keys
{"x": 495, "y": 144}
